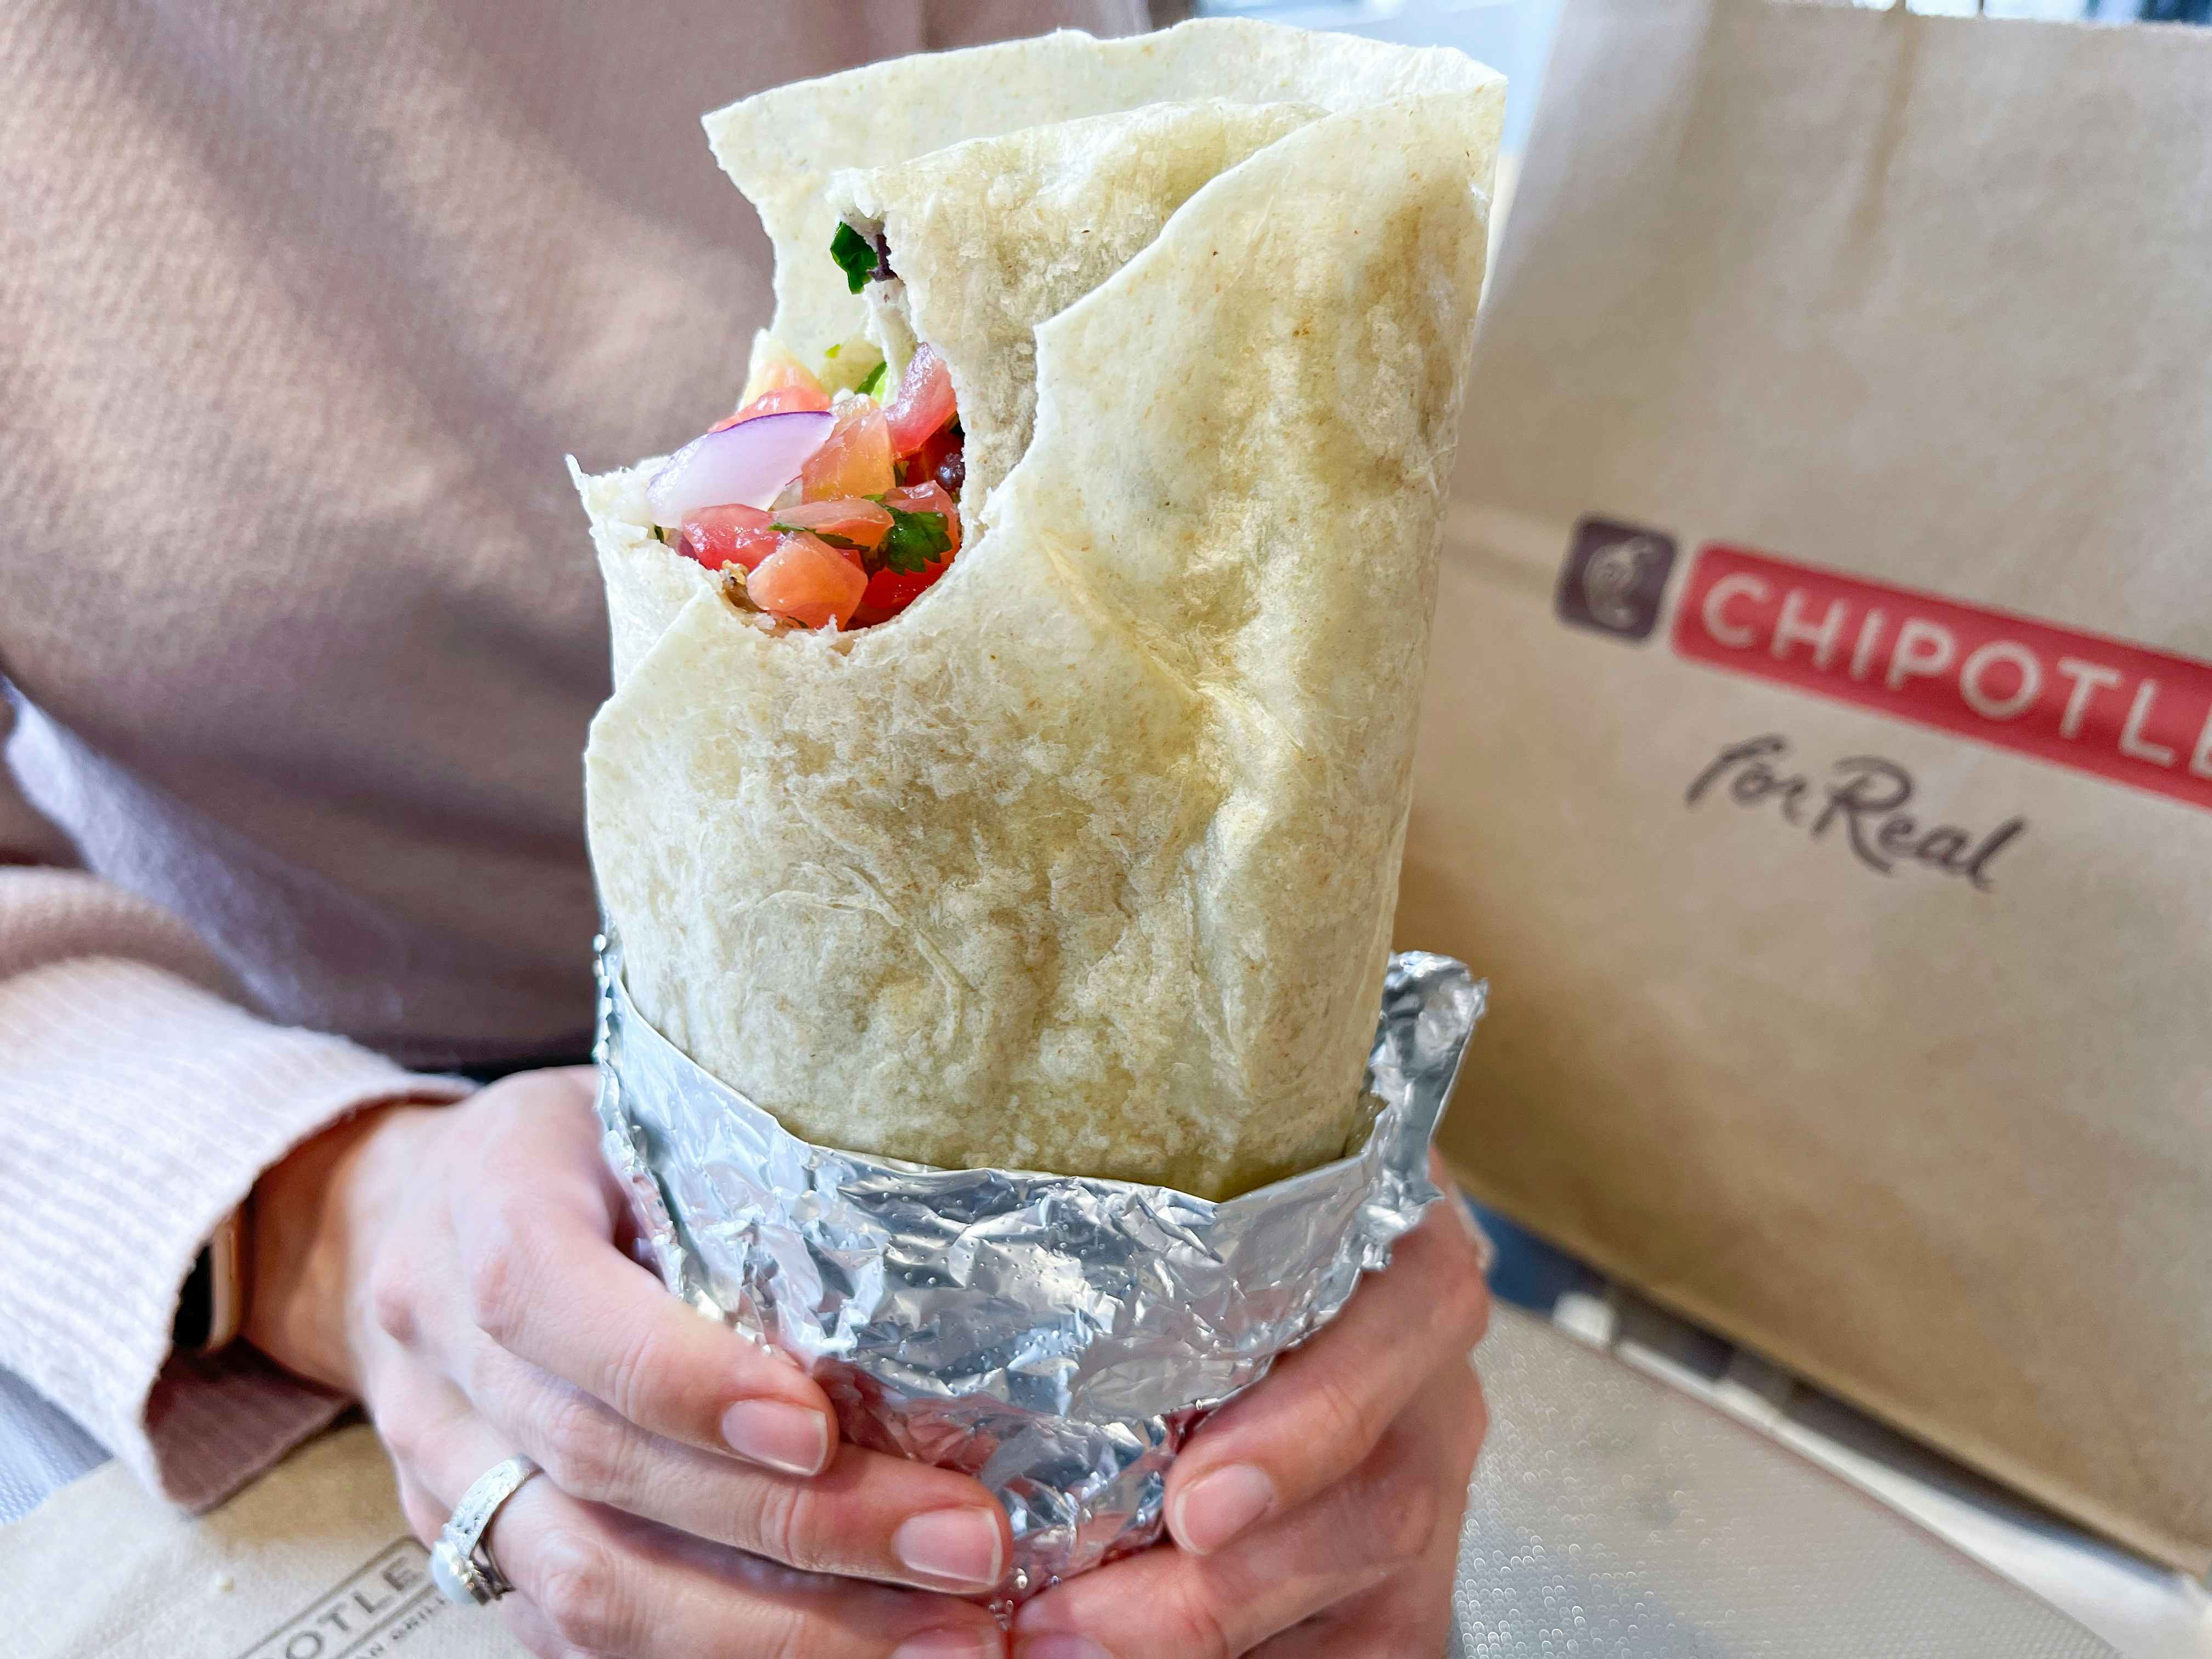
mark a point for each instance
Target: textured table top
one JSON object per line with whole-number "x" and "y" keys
{"x": 1616, "y": 1518}
{"x": 1613, "y": 1517}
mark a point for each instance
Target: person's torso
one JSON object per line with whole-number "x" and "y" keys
{"x": 304, "y": 310}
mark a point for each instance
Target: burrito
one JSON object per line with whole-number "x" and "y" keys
{"x": 1009, "y": 757}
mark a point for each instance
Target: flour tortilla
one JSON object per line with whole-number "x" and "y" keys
{"x": 996, "y": 236}
{"x": 1086, "y": 863}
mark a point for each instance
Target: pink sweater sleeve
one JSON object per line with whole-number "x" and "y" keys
{"x": 137, "y": 1107}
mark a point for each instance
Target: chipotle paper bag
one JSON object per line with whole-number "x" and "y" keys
{"x": 1817, "y": 747}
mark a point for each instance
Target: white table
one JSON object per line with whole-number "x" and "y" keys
{"x": 1613, "y": 1516}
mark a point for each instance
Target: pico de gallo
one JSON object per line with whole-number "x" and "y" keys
{"x": 823, "y": 512}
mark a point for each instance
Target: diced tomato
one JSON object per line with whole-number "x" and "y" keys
{"x": 924, "y": 403}
{"x": 939, "y": 460}
{"x": 777, "y": 401}
{"x": 815, "y": 570}
{"x": 807, "y": 582}
{"x": 928, "y": 498}
{"x": 849, "y": 517}
{"x": 717, "y": 536}
{"x": 891, "y": 591}
{"x": 854, "y": 460}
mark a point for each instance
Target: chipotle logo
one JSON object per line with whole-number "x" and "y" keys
{"x": 1615, "y": 578}
{"x": 2136, "y": 716}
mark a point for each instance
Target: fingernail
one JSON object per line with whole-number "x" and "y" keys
{"x": 949, "y": 1645}
{"x": 787, "y": 1438}
{"x": 1221, "y": 1505}
{"x": 960, "y": 1545}
{"x": 1060, "y": 1647}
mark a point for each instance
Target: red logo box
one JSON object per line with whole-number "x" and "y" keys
{"x": 2138, "y": 717}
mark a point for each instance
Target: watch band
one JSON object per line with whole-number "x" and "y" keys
{"x": 212, "y": 1306}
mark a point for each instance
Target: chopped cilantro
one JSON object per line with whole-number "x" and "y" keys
{"x": 914, "y": 541}
{"x": 845, "y": 541}
{"x": 873, "y": 387}
{"x": 854, "y": 255}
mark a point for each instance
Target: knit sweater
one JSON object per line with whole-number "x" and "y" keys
{"x": 299, "y": 630}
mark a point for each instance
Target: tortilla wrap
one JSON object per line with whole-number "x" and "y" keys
{"x": 1086, "y": 863}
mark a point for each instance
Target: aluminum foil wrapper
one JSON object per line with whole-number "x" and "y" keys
{"x": 1056, "y": 1336}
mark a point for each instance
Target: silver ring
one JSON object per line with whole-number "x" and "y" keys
{"x": 460, "y": 1563}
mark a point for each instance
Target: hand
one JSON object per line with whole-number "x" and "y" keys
{"x": 461, "y": 1270}
{"x": 1318, "y": 1515}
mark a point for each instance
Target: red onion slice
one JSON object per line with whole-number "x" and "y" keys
{"x": 742, "y": 465}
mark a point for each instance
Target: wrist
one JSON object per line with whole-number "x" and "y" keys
{"x": 316, "y": 1215}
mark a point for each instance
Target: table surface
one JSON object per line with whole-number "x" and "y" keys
{"x": 1613, "y": 1517}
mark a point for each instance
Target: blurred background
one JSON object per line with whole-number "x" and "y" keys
{"x": 1515, "y": 36}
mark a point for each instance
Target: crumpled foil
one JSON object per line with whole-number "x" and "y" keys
{"x": 1054, "y": 1336}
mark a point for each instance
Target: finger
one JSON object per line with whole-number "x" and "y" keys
{"x": 1486, "y": 1247}
{"x": 533, "y": 1629}
{"x": 590, "y": 1580}
{"x": 545, "y": 1281}
{"x": 1321, "y": 1411}
{"x": 1363, "y": 1533}
{"x": 868, "y": 1516}
{"x": 1410, "y": 1613}
{"x": 425, "y": 1516}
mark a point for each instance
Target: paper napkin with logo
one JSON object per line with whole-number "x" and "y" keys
{"x": 311, "y": 1561}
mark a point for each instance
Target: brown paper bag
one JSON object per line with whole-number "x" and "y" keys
{"x": 311, "y": 1561}
{"x": 1818, "y": 751}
